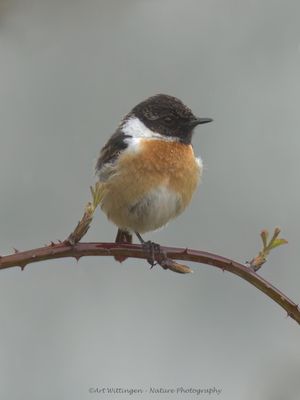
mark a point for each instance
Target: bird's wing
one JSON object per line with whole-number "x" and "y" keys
{"x": 109, "y": 155}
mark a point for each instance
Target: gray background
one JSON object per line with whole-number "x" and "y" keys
{"x": 69, "y": 71}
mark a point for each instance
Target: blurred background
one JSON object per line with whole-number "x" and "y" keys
{"x": 69, "y": 71}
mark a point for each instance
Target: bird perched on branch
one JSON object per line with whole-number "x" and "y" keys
{"x": 148, "y": 167}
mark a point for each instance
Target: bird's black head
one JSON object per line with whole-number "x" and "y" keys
{"x": 168, "y": 116}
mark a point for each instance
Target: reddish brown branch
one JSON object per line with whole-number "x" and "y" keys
{"x": 61, "y": 250}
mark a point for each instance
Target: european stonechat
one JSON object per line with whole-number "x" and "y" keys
{"x": 148, "y": 167}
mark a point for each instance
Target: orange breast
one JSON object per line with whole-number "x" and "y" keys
{"x": 155, "y": 163}
{"x": 165, "y": 162}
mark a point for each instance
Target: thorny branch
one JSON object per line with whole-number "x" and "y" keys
{"x": 72, "y": 248}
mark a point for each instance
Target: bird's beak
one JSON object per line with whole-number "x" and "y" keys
{"x": 199, "y": 121}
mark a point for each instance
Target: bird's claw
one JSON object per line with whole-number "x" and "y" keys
{"x": 155, "y": 253}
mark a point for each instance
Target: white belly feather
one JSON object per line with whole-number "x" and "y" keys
{"x": 154, "y": 210}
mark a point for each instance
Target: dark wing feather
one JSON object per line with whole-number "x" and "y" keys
{"x": 110, "y": 152}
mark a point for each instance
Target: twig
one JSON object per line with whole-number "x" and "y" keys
{"x": 84, "y": 224}
{"x": 60, "y": 250}
{"x": 257, "y": 262}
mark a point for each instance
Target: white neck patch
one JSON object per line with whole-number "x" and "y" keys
{"x": 135, "y": 128}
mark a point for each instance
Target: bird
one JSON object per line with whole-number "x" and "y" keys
{"x": 148, "y": 169}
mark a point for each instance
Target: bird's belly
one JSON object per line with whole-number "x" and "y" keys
{"x": 154, "y": 210}
{"x": 148, "y": 213}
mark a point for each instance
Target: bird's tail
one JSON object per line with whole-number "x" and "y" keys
{"x": 122, "y": 237}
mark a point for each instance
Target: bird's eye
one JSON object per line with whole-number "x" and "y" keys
{"x": 167, "y": 120}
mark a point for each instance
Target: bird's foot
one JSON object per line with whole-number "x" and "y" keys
{"x": 155, "y": 254}
{"x": 122, "y": 237}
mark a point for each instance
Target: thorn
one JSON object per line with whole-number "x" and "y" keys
{"x": 16, "y": 250}
{"x": 186, "y": 251}
{"x": 22, "y": 266}
{"x": 52, "y": 244}
{"x": 59, "y": 241}
{"x": 77, "y": 258}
